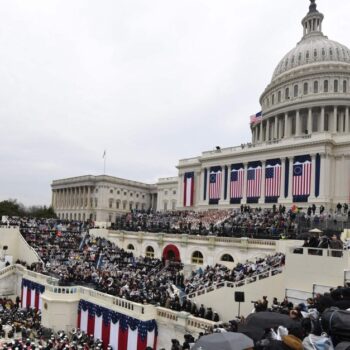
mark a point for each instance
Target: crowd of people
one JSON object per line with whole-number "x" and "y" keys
{"x": 274, "y": 222}
{"x": 213, "y": 275}
{"x": 21, "y": 329}
{"x": 314, "y": 325}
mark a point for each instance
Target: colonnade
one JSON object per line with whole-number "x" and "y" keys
{"x": 286, "y": 189}
{"x": 72, "y": 198}
{"x": 300, "y": 122}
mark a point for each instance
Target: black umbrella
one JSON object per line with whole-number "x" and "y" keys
{"x": 252, "y": 332}
{"x": 267, "y": 319}
{"x": 224, "y": 341}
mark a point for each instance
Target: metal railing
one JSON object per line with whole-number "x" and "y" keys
{"x": 241, "y": 283}
{"x": 325, "y": 252}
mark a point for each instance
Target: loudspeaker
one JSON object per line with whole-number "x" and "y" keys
{"x": 239, "y": 297}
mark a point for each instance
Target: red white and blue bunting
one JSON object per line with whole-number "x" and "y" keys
{"x": 31, "y": 294}
{"x": 120, "y": 331}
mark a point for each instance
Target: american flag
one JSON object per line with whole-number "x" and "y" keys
{"x": 273, "y": 180}
{"x": 215, "y": 185}
{"x": 254, "y": 182}
{"x": 237, "y": 183}
{"x": 302, "y": 178}
{"x": 255, "y": 118}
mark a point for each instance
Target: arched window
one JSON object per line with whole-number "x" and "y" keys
{"x": 287, "y": 94}
{"x": 227, "y": 257}
{"x": 131, "y": 247}
{"x": 279, "y": 96}
{"x": 335, "y": 85}
{"x": 111, "y": 203}
{"x": 325, "y": 86}
{"x": 306, "y": 88}
{"x": 344, "y": 86}
{"x": 315, "y": 87}
{"x": 296, "y": 90}
{"x": 197, "y": 258}
{"x": 149, "y": 252}
{"x": 273, "y": 99}
{"x": 117, "y": 204}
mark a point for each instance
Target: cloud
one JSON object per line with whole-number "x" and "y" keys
{"x": 150, "y": 81}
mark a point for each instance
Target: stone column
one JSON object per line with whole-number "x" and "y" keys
{"x": 286, "y": 129}
{"x": 335, "y": 119}
{"x": 280, "y": 128}
{"x": 267, "y": 138}
{"x": 347, "y": 119}
{"x": 325, "y": 178}
{"x": 261, "y": 132}
{"x": 297, "y": 123}
{"x": 276, "y": 128}
{"x": 313, "y": 175}
{"x": 309, "y": 121}
{"x": 244, "y": 199}
{"x": 290, "y": 181}
{"x": 202, "y": 185}
{"x": 321, "y": 126}
{"x": 262, "y": 194}
{"x": 58, "y": 198}
{"x": 227, "y": 200}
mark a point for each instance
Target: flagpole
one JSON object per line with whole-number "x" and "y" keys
{"x": 104, "y": 162}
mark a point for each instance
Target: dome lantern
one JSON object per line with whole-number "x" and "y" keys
{"x": 312, "y": 22}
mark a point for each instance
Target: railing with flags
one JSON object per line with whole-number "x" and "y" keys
{"x": 122, "y": 332}
{"x": 135, "y": 323}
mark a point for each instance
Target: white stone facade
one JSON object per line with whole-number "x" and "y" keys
{"x": 305, "y": 114}
{"x": 100, "y": 198}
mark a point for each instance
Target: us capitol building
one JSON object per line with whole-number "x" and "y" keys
{"x": 299, "y": 152}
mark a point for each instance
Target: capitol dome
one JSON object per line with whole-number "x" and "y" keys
{"x": 309, "y": 92}
{"x": 314, "y": 46}
{"x": 310, "y": 50}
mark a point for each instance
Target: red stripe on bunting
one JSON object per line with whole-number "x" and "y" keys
{"x": 141, "y": 344}
{"x": 36, "y": 301}
{"x": 29, "y": 292}
{"x": 105, "y": 334}
{"x": 91, "y": 325}
{"x": 123, "y": 339}
{"x": 79, "y": 316}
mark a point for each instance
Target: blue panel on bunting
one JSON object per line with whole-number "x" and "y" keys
{"x": 235, "y": 200}
{"x": 215, "y": 169}
{"x": 271, "y": 200}
{"x": 253, "y": 200}
{"x": 237, "y": 166}
{"x": 189, "y": 175}
{"x": 273, "y": 162}
{"x": 317, "y": 175}
{"x": 33, "y": 285}
{"x": 254, "y": 164}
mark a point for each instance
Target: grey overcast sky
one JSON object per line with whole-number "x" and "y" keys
{"x": 150, "y": 81}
